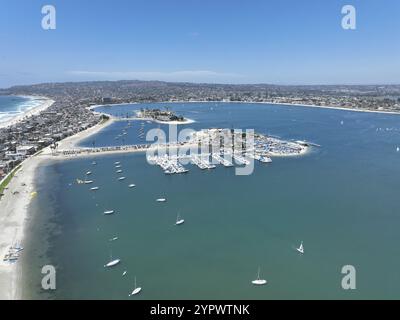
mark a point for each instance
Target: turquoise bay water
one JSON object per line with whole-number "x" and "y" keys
{"x": 11, "y": 106}
{"x": 340, "y": 199}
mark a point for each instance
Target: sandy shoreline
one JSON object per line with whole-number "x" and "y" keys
{"x": 334, "y": 108}
{"x": 14, "y": 210}
{"x": 73, "y": 141}
{"x": 14, "y": 213}
{"x": 46, "y": 103}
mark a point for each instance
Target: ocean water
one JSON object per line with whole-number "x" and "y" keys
{"x": 341, "y": 200}
{"x": 12, "y": 106}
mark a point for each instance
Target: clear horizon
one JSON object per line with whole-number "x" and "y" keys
{"x": 229, "y": 42}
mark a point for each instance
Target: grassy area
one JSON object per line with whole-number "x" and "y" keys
{"x": 5, "y": 183}
{"x": 104, "y": 119}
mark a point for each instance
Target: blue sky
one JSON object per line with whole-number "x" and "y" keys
{"x": 218, "y": 41}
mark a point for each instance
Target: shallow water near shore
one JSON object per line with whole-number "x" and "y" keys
{"x": 340, "y": 199}
{"x": 12, "y": 106}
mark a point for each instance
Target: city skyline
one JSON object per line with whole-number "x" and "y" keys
{"x": 277, "y": 42}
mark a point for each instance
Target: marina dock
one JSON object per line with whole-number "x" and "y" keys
{"x": 209, "y": 147}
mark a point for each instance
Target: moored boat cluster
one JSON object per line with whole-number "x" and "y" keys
{"x": 225, "y": 147}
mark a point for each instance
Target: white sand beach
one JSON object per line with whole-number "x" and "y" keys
{"x": 72, "y": 141}
{"x": 46, "y": 102}
{"x": 328, "y": 107}
{"x": 13, "y": 215}
{"x": 14, "y": 210}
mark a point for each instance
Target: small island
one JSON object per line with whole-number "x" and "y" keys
{"x": 164, "y": 116}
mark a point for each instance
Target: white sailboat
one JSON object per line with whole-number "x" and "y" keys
{"x": 108, "y": 212}
{"x": 161, "y": 200}
{"x": 94, "y": 188}
{"x": 112, "y": 262}
{"x": 121, "y": 178}
{"x": 179, "y": 220}
{"x": 301, "y": 248}
{"x": 258, "y": 281}
{"x": 132, "y": 185}
{"x": 136, "y": 290}
{"x": 88, "y": 173}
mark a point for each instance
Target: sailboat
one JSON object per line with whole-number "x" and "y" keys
{"x": 161, "y": 200}
{"x": 108, "y": 212}
{"x": 112, "y": 263}
{"x": 301, "y": 248}
{"x": 136, "y": 290}
{"x": 179, "y": 220}
{"x": 132, "y": 185}
{"x": 258, "y": 281}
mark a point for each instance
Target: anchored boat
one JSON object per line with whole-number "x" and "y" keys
{"x": 258, "y": 281}
{"x": 301, "y": 248}
{"x": 136, "y": 290}
{"x": 179, "y": 221}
